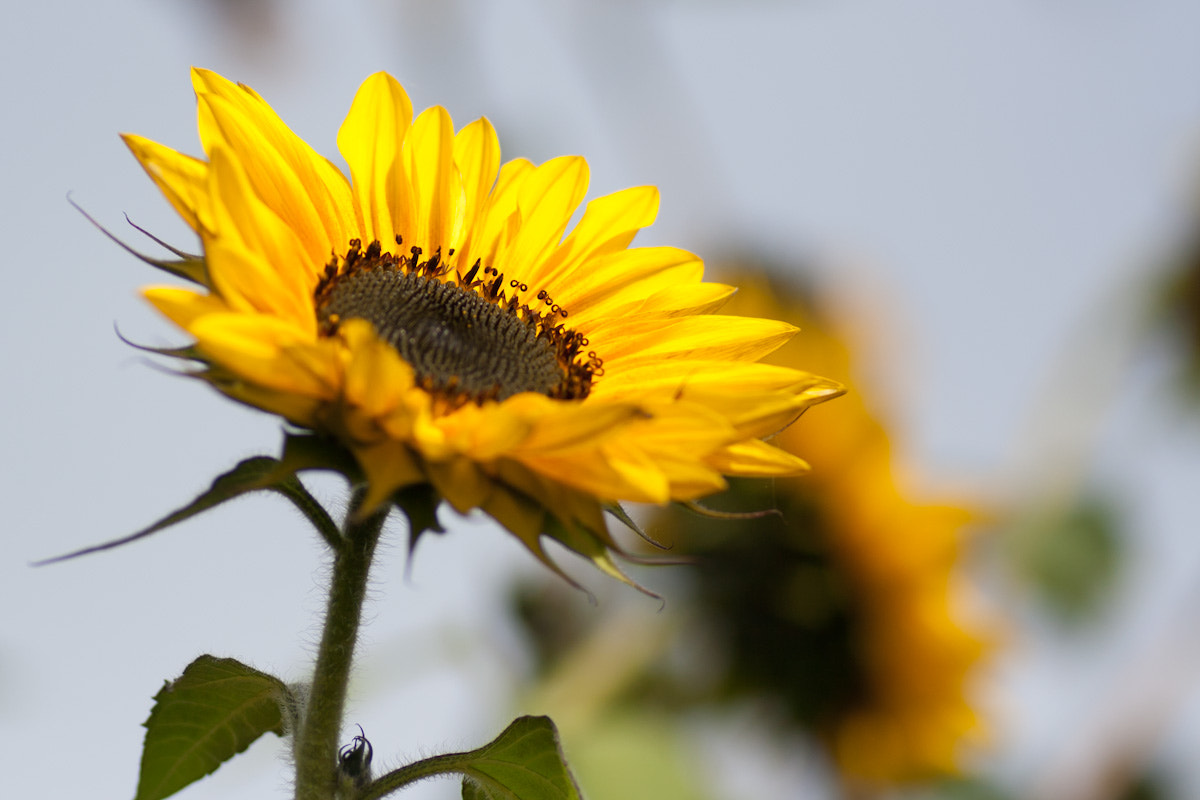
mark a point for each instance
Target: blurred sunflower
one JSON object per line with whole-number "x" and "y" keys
{"x": 1175, "y": 310}
{"x": 428, "y": 314}
{"x": 847, "y": 606}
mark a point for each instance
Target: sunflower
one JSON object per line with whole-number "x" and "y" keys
{"x": 429, "y": 315}
{"x": 845, "y": 611}
{"x": 850, "y": 608}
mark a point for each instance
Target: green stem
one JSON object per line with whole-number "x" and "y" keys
{"x": 320, "y": 731}
{"x": 399, "y": 778}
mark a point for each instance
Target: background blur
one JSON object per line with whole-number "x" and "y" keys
{"x": 995, "y": 200}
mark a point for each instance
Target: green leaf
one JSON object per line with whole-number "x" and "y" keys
{"x": 210, "y": 714}
{"x": 639, "y": 754}
{"x": 472, "y": 791}
{"x": 524, "y": 762}
{"x": 1071, "y": 556}
{"x": 253, "y": 474}
{"x": 967, "y": 787}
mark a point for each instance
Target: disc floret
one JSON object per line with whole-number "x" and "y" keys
{"x": 469, "y": 337}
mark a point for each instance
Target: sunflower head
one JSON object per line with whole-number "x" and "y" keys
{"x": 847, "y": 607}
{"x": 430, "y": 315}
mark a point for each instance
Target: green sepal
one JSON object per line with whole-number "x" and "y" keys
{"x": 212, "y": 712}
{"x": 290, "y": 487}
{"x": 187, "y": 266}
{"x": 253, "y": 474}
{"x": 618, "y": 511}
{"x": 310, "y": 451}
{"x": 419, "y": 503}
{"x": 190, "y": 268}
{"x": 702, "y": 510}
{"x": 186, "y": 353}
{"x": 525, "y": 762}
{"x": 588, "y": 544}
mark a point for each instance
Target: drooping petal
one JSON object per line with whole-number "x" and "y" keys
{"x": 376, "y": 378}
{"x": 461, "y": 482}
{"x": 389, "y": 465}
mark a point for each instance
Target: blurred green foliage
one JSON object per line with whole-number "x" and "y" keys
{"x": 1069, "y": 556}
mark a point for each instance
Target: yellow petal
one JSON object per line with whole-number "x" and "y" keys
{"x": 297, "y": 409}
{"x": 686, "y": 378}
{"x": 644, "y": 481}
{"x": 562, "y": 426}
{"x": 183, "y": 306}
{"x": 437, "y": 187}
{"x": 247, "y": 283}
{"x": 521, "y": 517}
{"x": 638, "y": 273}
{"x": 608, "y": 224}
{"x": 182, "y": 179}
{"x": 460, "y": 481}
{"x": 477, "y": 154}
{"x": 770, "y": 415}
{"x": 757, "y": 459}
{"x": 605, "y": 475}
{"x": 307, "y": 192}
{"x": 269, "y": 351}
{"x": 370, "y": 140}
{"x": 485, "y": 432}
{"x": 376, "y": 378}
{"x": 703, "y": 337}
{"x": 252, "y": 255}
{"x": 690, "y": 480}
{"x": 677, "y": 301}
{"x": 547, "y": 199}
{"x": 389, "y": 465}
{"x": 499, "y": 220}
{"x": 676, "y": 439}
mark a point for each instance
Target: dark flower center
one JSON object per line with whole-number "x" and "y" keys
{"x": 467, "y": 340}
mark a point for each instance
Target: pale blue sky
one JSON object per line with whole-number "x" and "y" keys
{"x": 993, "y": 173}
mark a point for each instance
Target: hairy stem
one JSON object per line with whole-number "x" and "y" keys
{"x": 319, "y": 734}
{"x": 395, "y": 780}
